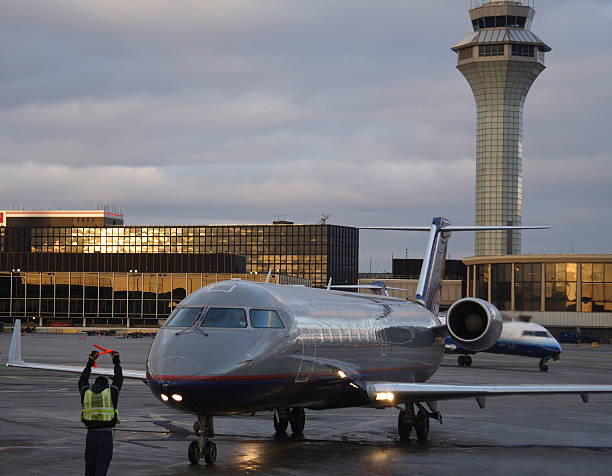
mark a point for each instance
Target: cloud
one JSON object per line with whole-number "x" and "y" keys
{"x": 236, "y": 111}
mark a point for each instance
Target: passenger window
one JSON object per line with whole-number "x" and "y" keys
{"x": 225, "y": 317}
{"x": 183, "y": 317}
{"x": 261, "y": 318}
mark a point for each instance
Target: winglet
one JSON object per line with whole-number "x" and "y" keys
{"x": 269, "y": 276}
{"x": 329, "y": 284}
{"x": 15, "y": 350}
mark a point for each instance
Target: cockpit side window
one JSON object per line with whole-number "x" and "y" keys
{"x": 537, "y": 333}
{"x": 262, "y": 318}
{"x": 183, "y": 317}
{"x": 542, "y": 334}
{"x": 225, "y": 317}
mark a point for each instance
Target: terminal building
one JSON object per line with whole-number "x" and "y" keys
{"x": 88, "y": 268}
{"x": 565, "y": 291}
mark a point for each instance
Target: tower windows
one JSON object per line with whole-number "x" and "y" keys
{"x": 466, "y": 54}
{"x": 491, "y": 50}
{"x": 501, "y": 21}
{"x": 523, "y": 50}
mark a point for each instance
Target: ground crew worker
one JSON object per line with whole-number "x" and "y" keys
{"x": 99, "y": 414}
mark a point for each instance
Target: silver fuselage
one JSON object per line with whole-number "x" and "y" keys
{"x": 235, "y": 370}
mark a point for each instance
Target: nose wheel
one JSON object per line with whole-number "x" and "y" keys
{"x": 464, "y": 360}
{"x": 203, "y": 447}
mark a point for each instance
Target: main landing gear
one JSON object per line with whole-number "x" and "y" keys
{"x": 464, "y": 360}
{"x": 203, "y": 446}
{"x": 416, "y": 415}
{"x": 284, "y": 417}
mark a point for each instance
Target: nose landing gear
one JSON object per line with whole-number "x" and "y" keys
{"x": 543, "y": 366}
{"x": 464, "y": 360}
{"x": 204, "y": 429}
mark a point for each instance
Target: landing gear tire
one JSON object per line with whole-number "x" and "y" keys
{"x": 194, "y": 452}
{"x": 203, "y": 429}
{"x": 404, "y": 423}
{"x": 543, "y": 367}
{"x": 297, "y": 419}
{"x": 421, "y": 426}
{"x": 461, "y": 360}
{"x": 281, "y": 420}
{"x": 468, "y": 360}
{"x": 210, "y": 452}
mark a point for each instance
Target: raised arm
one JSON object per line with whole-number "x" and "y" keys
{"x": 84, "y": 380}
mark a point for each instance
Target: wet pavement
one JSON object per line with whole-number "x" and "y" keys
{"x": 40, "y": 431}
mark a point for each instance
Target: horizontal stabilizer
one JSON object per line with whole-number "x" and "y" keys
{"x": 453, "y": 228}
{"x": 15, "y": 360}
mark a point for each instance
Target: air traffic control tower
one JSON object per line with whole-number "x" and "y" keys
{"x": 501, "y": 59}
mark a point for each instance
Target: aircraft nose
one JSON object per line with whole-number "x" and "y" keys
{"x": 172, "y": 356}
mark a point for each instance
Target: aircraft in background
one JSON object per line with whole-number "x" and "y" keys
{"x": 526, "y": 339}
{"x": 238, "y": 347}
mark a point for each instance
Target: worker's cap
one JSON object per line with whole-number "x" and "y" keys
{"x": 101, "y": 381}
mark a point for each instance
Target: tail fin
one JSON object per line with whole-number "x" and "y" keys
{"x": 15, "y": 350}
{"x": 432, "y": 271}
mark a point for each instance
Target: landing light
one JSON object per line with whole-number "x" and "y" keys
{"x": 177, "y": 398}
{"x": 164, "y": 397}
{"x": 387, "y": 396}
{"x": 341, "y": 374}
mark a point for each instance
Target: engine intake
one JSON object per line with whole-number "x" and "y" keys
{"x": 474, "y": 324}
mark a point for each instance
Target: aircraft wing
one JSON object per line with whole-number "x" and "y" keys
{"x": 15, "y": 360}
{"x": 395, "y": 392}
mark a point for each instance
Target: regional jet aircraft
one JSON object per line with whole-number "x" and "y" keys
{"x": 526, "y": 339}
{"x": 238, "y": 347}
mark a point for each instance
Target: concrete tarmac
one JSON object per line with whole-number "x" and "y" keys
{"x": 41, "y": 433}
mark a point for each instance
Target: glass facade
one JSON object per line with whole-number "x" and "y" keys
{"x": 561, "y": 282}
{"x": 501, "y": 285}
{"x": 527, "y": 286}
{"x": 596, "y": 287}
{"x": 565, "y": 286}
{"x": 312, "y": 252}
{"x": 105, "y": 299}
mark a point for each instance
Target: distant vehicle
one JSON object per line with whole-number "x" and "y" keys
{"x": 526, "y": 339}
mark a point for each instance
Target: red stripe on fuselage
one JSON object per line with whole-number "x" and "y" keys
{"x": 242, "y": 378}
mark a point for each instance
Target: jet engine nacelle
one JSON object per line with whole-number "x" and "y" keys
{"x": 474, "y": 324}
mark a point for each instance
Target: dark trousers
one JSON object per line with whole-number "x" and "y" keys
{"x": 98, "y": 452}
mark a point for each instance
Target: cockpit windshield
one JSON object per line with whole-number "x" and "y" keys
{"x": 183, "y": 317}
{"x": 225, "y": 317}
{"x": 537, "y": 333}
{"x": 261, "y": 318}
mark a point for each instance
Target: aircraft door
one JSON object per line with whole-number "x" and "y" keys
{"x": 381, "y": 335}
{"x": 308, "y": 338}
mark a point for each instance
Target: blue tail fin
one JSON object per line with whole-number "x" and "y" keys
{"x": 432, "y": 271}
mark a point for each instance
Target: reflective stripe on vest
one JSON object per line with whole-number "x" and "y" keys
{"x": 98, "y": 406}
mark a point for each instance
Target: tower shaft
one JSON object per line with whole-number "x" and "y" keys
{"x": 500, "y": 61}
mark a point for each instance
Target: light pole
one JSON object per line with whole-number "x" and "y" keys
{"x": 11, "y": 291}
{"x": 132, "y": 271}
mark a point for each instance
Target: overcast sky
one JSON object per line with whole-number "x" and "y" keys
{"x": 239, "y": 111}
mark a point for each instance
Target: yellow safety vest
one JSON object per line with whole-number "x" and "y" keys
{"x": 98, "y": 406}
